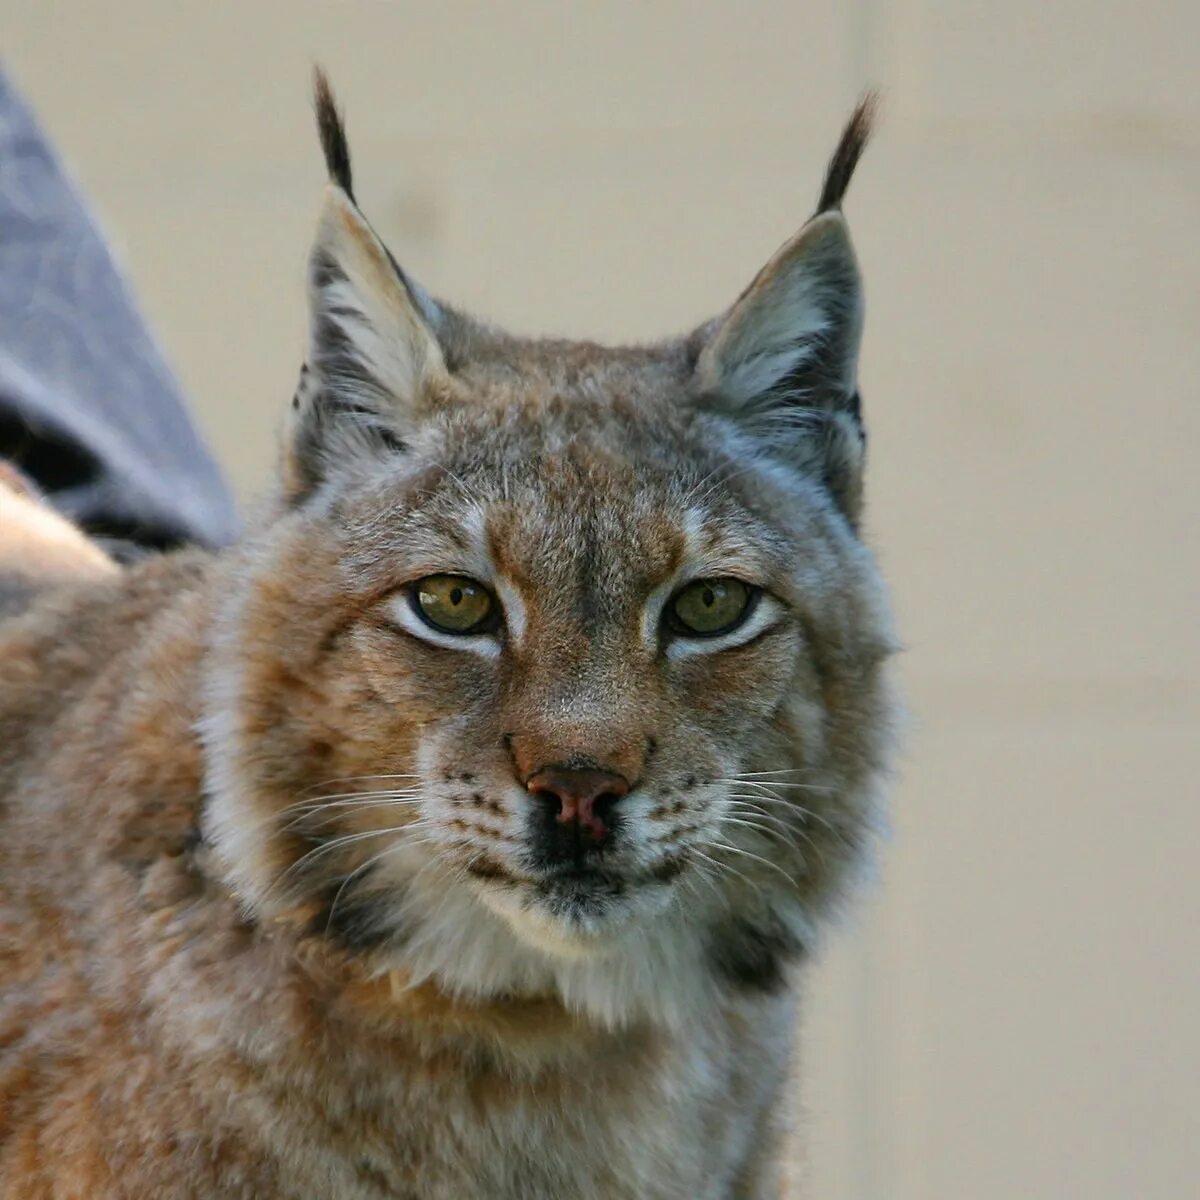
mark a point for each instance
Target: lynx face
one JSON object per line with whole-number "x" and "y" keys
{"x": 577, "y": 744}
{"x": 560, "y": 666}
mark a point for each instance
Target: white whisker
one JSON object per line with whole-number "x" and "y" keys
{"x": 806, "y": 814}
{"x": 791, "y": 835}
{"x": 766, "y": 862}
{"x": 304, "y": 817}
{"x": 743, "y": 781}
{"x": 359, "y": 870}
{"x": 339, "y": 843}
{"x": 782, "y": 834}
{"x": 334, "y": 796}
{"x": 353, "y": 779}
{"x": 726, "y": 866}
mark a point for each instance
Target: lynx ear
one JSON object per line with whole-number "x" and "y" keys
{"x": 373, "y": 354}
{"x": 784, "y": 359}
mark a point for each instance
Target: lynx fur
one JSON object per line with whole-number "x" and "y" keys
{"x": 284, "y": 910}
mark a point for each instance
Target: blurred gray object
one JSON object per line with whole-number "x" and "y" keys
{"x": 88, "y": 408}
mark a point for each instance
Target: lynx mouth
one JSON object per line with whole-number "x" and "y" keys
{"x": 574, "y": 877}
{"x": 597, "y": 890}
{"x": 578, "y": 910}
{"x": 591, "y": 893}
{"x": 580, "y": 887}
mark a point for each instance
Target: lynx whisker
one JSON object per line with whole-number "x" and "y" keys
{"x": 355, "y": 874}
{"x": 806, "y": 814}
{"x": 338, "y": 843}
{"x": 783, "y": 803}
{"x": 345, "y": 800}
{"x": 342, "y": 806}
{"x": 789, "y": 832}
{"x": 752, "y": 781}
{"x": 719, "y": 865}
{"x": 306, "y": 807}
{"x": 353, "y": 779}
{"x": 709, "y": 844}
{"x": 706, "y": 872}
{"x": 799, "y": 833}
{"x": 351, "y": 796}
{"x": 780, "y": 833}
{"x": 774, "y": 771}
{"x": 738, "y": 804}
{"x": 766, "y": 862}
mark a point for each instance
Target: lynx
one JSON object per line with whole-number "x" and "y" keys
{"x": 460, "y": 832}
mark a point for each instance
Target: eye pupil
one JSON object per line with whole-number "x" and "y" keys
{"x": 709, "y": 597}
{"x": 456, "y": 595}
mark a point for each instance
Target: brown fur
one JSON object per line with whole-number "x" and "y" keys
{"x": 236, "y": 961}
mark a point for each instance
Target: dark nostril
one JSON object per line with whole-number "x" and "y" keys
{"x": 603, "y": 805}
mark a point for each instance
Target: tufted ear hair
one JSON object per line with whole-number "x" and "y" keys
{"x": 373, "y": 353}
{"x": 783, "y": 360}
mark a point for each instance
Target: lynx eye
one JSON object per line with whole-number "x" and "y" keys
{"x": 709, "y": 607}
{"x": 453, "y": 603}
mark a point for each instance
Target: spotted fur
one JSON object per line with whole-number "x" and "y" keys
{"x": 277, "y": 914}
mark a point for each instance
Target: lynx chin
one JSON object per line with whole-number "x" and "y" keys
{"x": 460, "y": 832}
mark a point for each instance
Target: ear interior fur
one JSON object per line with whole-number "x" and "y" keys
{"x": 369, "y": 340}
{"x": 784, "y": 359}
{"x": 373, "y": 353}
{"x": 795, "y": 331}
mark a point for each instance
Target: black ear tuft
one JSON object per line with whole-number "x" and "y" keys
{"x": 333, "y": 133}
{"x": 849, "y": 150}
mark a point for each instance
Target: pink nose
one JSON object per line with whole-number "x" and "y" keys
{"x": 580, "y": 797}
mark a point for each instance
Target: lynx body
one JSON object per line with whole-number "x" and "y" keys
{"x": 458, "y": 833}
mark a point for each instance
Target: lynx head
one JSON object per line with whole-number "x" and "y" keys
{"x": 558, "y": 668}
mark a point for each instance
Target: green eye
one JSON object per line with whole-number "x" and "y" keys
{"x": 709, "y": 607}
{"x": 453, "y": 603}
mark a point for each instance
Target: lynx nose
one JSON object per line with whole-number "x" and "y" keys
{"x": 577, "y": 797}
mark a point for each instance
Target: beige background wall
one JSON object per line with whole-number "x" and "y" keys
{"x": 1016, "y": 1010}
